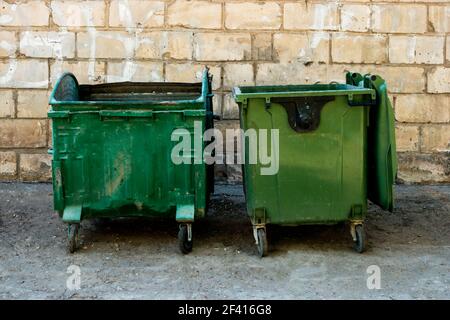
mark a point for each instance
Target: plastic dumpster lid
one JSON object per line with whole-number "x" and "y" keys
{"x": 243, "y": 93}
{"x": 68, "y": 92}
{"x": 382, "y": 155}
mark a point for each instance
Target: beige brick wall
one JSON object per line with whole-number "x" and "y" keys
{"x": 244, "y": 42}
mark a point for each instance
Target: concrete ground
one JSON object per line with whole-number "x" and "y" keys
{"x": 139, "y": 259}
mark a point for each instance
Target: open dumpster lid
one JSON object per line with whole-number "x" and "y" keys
{"x": 382, "y": 154}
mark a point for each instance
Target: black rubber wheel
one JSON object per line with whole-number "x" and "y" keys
{"x": 183, "y": 243}
{"x": 72, "y": 233}
{"x": 360, "y": 243}
{"x": 262, "y": 243}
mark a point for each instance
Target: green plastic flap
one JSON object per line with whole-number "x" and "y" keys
{"x": 382, "y": 155}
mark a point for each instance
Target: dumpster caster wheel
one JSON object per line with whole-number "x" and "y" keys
{"x": 360, "y": 243}
{"x": 72, "y": 231}
{"x": 262, "y": 242}
{"x": 183, "y": 239}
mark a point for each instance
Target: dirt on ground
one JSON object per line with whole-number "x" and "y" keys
{"x": 139, "y": 258}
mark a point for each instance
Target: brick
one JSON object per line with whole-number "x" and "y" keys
{"x": 136, "y": 14}
{"x": 50, "y": 133}
{"x": 6, "y": 104}
{"x": 447, "y": 45}
{"x": 279, "y": 73}
{"x": 229, "y": 151}
{"x": 8, "y": 45}
{"x": 8, "y": 167}
{"x": 18, "y": 73}
{"x": 422, "y": 108}
{"x": 401, "y": 79}
{"x": 22, "y": 133}
{"x": 423, "y": 168}
{"x": 394, "y": 18}
{"x": 195, "y": 14}
{"x": 47, "y": 44}
{"x": 91, "y": 72}
{"x": 296, "y": 73}
{"x": 289, "y": 59}
{"x": 31, "y": 13}
{"x": 238, "y": 75}
{"x": 177, "y": 45}
{"x": 223, "y": 126}
{"x": 188, "y": 72}
{"x": 407, "y": 138}
{"x": 416, "y": 49}
{"x": 311, "y": 16}
{"x": 135, "y": 71}
{"x": 219, "y": 46}
{"x": 435, "y": 138}
{"x": 265, "y": 15}
{"x": 149, "y": 46}
{"x": 262, "y": 46}
{"x": 169, "y": 45}
{"x": 359, "y": 49}
{"x": 217, "y": 104}
{"x": 105, "y": 44}
{"x": 228, "y": 148}
{"x": 337, "y": 72}
{"x": 355, "y": 17}
{"x": 304, "y": 48}
{"x": 32, "y": 103}
{"x": 439, "y": 80}
{"x": 439, "y": 18}
{"x": 35, "y": 167}
{"x": 75, "y": 13}
{"x": 409, "y": 1}
{"x": 230, "y": 108}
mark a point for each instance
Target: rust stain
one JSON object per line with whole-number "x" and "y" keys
{"x": 121, "y": 170}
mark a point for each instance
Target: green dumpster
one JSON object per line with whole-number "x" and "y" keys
{"x": 112, "y": 148}
{"x": 336, "y": 149}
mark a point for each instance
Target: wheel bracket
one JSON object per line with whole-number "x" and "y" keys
{"x": 255, "y": 231}
{"x": 189, "y": 231}
{"x": 353, "y": 225}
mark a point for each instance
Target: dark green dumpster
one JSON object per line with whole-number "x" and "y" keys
{"x": 112, "y": 147}
{"x": 336, "y": 150}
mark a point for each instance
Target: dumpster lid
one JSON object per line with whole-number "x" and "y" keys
{"x": 67, "y": 91}
{"x": 382, "y": 156}
{"x": 333, "y": 89}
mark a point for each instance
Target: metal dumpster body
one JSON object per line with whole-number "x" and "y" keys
{"x": 112, "y": 152}
{"x": 336, "y": 150}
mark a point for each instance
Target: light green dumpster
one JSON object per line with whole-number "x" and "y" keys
{"x": 112, "y": 148}
{"x": 336, "y": 150}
